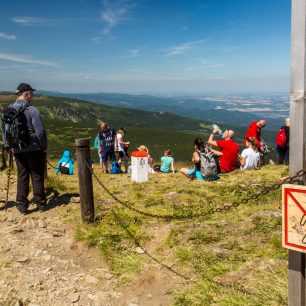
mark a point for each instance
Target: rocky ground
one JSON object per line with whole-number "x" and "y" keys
{"x": 42, "y": 264}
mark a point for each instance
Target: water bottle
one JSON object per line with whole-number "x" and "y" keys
{"x": 220, "y": 132}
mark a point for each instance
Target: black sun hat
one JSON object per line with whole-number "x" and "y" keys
{"x": 23, "y": 87}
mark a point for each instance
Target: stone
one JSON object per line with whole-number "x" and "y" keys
{"x": 108, "y": 276}
{"x": 15, "y": 230}
{"x": 74, "y": 297}
{"x": 41, "y": 224}
{"x": 139, "y": 250}
{"x": 75, "y": 200}
{"x": 23, "y": 259}
{"x": 91, "y": 279}
{"x": 47, "y": 270}
{"x": 149, "y": 296}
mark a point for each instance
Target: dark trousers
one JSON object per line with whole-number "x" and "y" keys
{"x": 30, "y": 164}
{"x": 282, "y": 155}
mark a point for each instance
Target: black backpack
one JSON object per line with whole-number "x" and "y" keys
{"x": 208, "y": 163}
{"x": 15, "y": 132}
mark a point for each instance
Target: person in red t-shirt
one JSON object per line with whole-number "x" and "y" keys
{"x": 229, "y": 150}
{"x": 254, "y": 130}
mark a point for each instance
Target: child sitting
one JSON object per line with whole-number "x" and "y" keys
{"x": 66, "y": 164}
{"x": 167, "y": 162}
{"x": 150, "y": 159}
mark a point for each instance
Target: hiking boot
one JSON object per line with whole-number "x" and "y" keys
{"x": 22, "y": 208}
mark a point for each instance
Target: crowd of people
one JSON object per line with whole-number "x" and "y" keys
{"x": 210, "y": 159}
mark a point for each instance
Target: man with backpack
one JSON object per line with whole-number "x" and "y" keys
{"x": 23, "y": 131}
{"x": 228, "y": 156}
{"x": 282, "y": 143}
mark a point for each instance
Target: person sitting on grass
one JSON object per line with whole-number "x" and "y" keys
{"x": 249, "y": 158}
{"x": 150, "y": 159}
{"x": 196, "y": 159}
{"x": 167, "y": 162}
{"x": 229, "y": 149}
{"x": 66, "y": 164}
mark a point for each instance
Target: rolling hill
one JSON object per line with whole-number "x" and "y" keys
{"x": 67, "y": 119}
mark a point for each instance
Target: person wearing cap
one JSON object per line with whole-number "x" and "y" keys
{"x": 30, "y": 160}
{"x": 121, "y": 148}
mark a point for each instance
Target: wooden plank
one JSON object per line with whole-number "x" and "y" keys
{"x": 296, "y": 272}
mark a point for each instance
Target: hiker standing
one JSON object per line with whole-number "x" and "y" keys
{"x": 254, "y": 130}
{"x": 282, "y": 147}
{"x": 107, "y": 138}
{"x": 121, "y": 145}
{"x": 30, "y": 158}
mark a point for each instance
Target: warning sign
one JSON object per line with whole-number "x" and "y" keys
{"x": 294, "y": 217}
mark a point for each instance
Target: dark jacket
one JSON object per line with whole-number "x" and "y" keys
{"x": 37, "y": 132}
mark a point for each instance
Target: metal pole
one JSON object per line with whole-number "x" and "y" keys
{"x": 296, "y": 272}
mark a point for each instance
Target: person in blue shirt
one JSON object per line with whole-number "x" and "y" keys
{"x": 66, "y": 164}
{"x": 167, "y": 162}
{"x": 108, "y": 143}
{"x": 96, "y": 147}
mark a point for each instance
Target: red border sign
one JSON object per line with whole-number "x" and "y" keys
{"x": 294, "y": 217}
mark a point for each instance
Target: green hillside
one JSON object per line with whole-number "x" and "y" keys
{"x": 67, "y": 119}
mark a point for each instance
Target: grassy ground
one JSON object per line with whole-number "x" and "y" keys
{"x": 235, "y": 257}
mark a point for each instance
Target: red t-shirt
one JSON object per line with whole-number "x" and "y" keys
{"x": 254, "y": 131}
{"x": 230, "y": 150}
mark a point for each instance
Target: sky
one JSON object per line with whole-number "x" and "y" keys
{"x": 146, "y": 46}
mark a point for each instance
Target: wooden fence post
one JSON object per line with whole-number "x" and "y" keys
{"x": 296, "y": 268}
{"x": 85, "y": 179}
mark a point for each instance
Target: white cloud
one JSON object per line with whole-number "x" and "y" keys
{"x": 7, "y": 36}
{"x": 115, "y": 11}
{"x": 31, "y": 21}
{"x": 181, "y": 49}
{"x": 26, "y": 59}
{"x": 133, "y": 52}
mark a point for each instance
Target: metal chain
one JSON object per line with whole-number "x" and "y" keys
{"x": 211, "y": 211}
{"x": 137, "y": 243}
{"x": 186, "y": 278}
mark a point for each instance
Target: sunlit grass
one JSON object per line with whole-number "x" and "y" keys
{"x": 235, "y": 256}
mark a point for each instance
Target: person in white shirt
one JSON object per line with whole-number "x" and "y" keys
{"x": 249, "y": 158}
{"x": 121, "y": 152}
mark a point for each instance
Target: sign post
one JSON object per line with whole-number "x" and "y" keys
{"x": 296, "y": 273}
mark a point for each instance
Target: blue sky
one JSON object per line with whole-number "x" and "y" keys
{"x": 146, "y": 46}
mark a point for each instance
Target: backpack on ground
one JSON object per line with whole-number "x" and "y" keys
{"x": 280, "y": 138}
{"x": 15, "y": 132}
{"x": 115, "y": 168}
{"x": 208, "y": 163}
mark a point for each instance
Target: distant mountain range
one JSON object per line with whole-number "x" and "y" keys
{"x": 237, "y": 110}
{"x": 68, "y": 118}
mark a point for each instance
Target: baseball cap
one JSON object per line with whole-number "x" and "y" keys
{"x": 123, "y": 129}
{"x": 23, "y": 87}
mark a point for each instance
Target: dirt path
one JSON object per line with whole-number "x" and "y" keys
{"x": 42, "y": 264}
